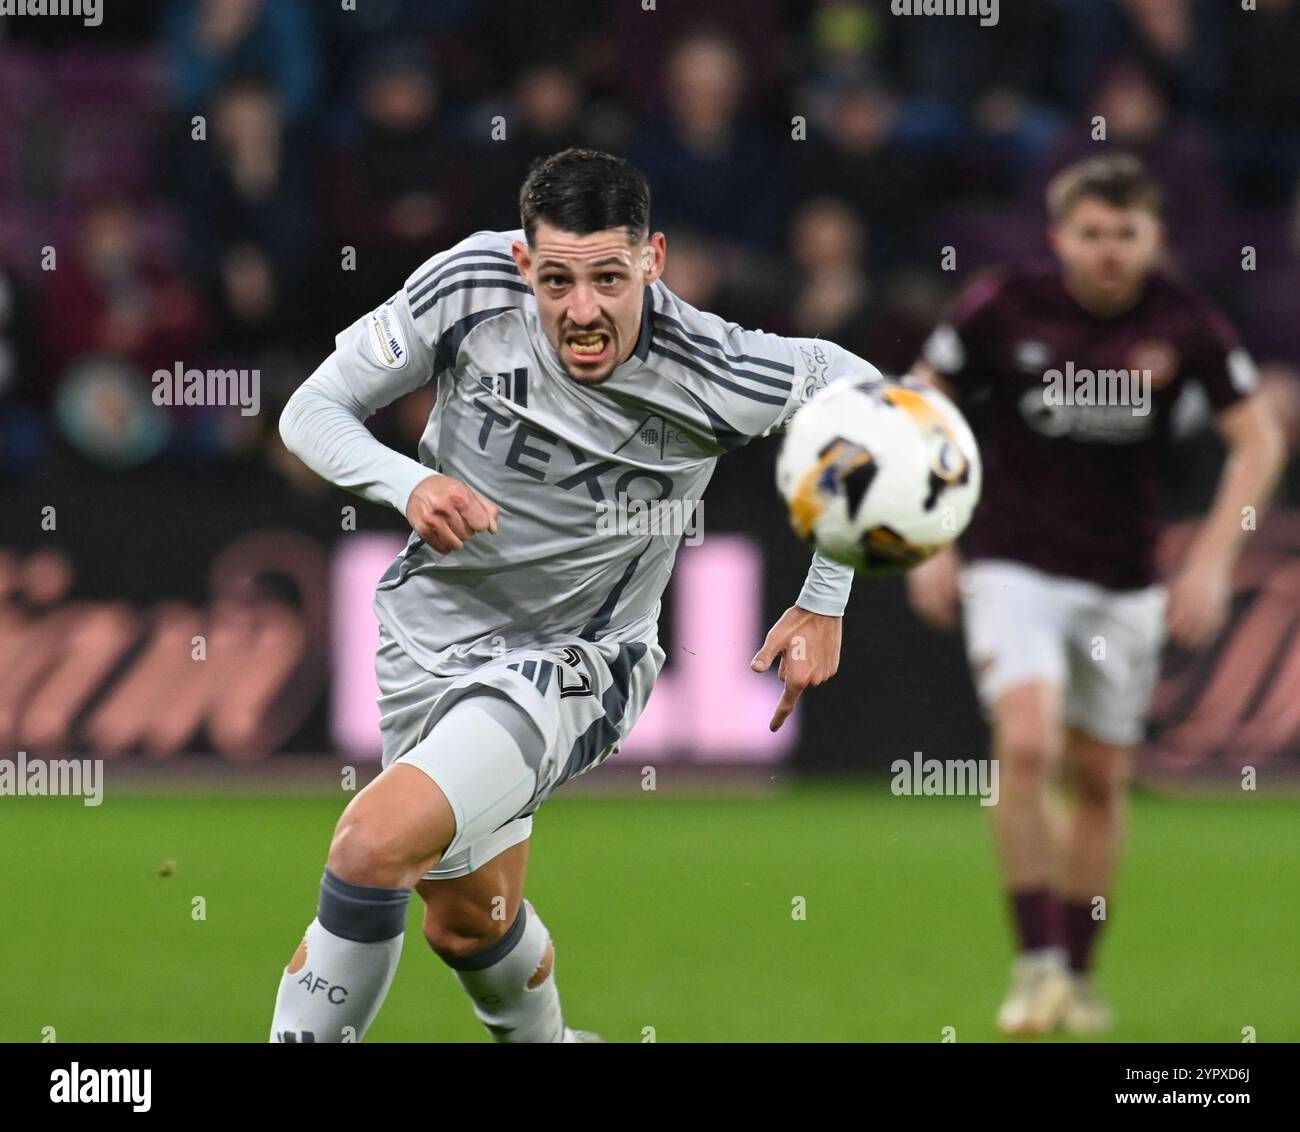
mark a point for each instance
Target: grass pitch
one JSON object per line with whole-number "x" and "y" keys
{"x": 676, "y": 914}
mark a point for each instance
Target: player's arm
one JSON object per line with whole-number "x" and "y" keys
{"x": 808, "y": 636}
{"x": 377, "y": 359}
{"x": 932, "y": 586}
{"x": 1200, "y": 592}
{"x": 950, "y": 363}
{"x": 819, "y": 363}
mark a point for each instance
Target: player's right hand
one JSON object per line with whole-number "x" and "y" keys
{"x": 932, "y": 589}
{"x": 446, "y": 513}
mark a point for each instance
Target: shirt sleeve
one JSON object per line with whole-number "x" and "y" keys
{"x": 957, "y": 348}
{"x": 1220, "y": 363}
{"x": 377, "y": 359}
{"x": 761, "y": 381}
{"x": 826, "y": 588}
{"x": 819, "y": 364}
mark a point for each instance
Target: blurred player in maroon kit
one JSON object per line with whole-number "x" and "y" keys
{"x": 1064, "y": 616}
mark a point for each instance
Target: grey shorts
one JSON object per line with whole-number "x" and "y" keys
{"x": 581, "y": 697}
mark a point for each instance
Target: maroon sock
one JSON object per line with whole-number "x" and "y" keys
{"x": 1080, "y": 933}
{"x": 1038, "y": 918}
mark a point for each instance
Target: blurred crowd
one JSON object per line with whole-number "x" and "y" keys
{"x": 227, "y": 183}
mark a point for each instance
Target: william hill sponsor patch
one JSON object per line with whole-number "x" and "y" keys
{"x": 386, "y": 339}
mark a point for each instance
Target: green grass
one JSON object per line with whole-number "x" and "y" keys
{"x": 667, "y": 912}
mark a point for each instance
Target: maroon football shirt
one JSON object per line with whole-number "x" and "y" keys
{"x": 1078, "y": 415}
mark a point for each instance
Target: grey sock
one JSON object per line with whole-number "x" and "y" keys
{"x": 353, "y": 947}
{"x": 497, "y": 977}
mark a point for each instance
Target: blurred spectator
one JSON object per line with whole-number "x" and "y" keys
{"x": 1262, "y": 114}
{"x": 250, "y": 191}
{"x": 831, "y": 299}
{"x": 988, "y": 98}
{"x": 917, "y": 127}
{"x": 846, "y": 40}
{"x": 512, "y": 35}
{"x": 110, "y": 298}
{"x": 642, "y": 42}
{"x": 1263, "y": 300}
{"x": 21, "y": 433}
{"x": 700, "y": 271}
{"x": 1138, "y": 119}
{"x": 1174, "y": 41}
{"x": 707, "y": 166}
{"x": 16, "y": 346}
{"x": 957, "y": 60}
{"x": 214, "y": 41}
{"x": 859, "y": 159}
{"x": 835, "y": 298}
{"x": 693, "y": 269}
{"x": 260, "y": 324}
{"x": 399, "y": 188}
{"x": 105, "y": 413}
{"x": 249, "y": 304}
{"x": 545, "y": 115}
{"x": 445, "y": 31}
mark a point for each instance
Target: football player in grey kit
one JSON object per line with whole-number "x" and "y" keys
{"x": 518, "y": 637}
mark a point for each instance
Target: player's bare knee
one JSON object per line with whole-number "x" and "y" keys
{"x": 451, "y": 945}
{"x": 1096, "y": 794}
{"x": 1027, "y": 737}
{"x": 463, "y": 933}
{"x": 1025, "y": 758}
{"x": 1101, "y": 784}
{"x": 368, "y": 851}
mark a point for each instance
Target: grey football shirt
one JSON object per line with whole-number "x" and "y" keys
{"x": 557, "y": 457}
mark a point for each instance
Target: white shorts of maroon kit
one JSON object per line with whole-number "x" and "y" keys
{"x": 1100, "y": 647}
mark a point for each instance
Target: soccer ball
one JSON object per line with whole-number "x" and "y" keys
{"x": 879, "y": 474}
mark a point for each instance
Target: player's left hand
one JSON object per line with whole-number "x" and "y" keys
{"x": 809, "y": 647}
{"x": 1198, "y": 603}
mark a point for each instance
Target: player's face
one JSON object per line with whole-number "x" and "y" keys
{"x": 1107, "y": 252}
{"x": 589, "y": 294}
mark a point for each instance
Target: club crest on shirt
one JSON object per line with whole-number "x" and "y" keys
{"x": 651, "y": 433}
{"x": 1159, "y": 358}
{"x": 386, "y": 340}
{"x": 655, "y": 437}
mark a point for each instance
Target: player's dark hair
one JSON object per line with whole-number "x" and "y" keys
{"x": 584, "y": 191}
{"x": 1120, "y": 180}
